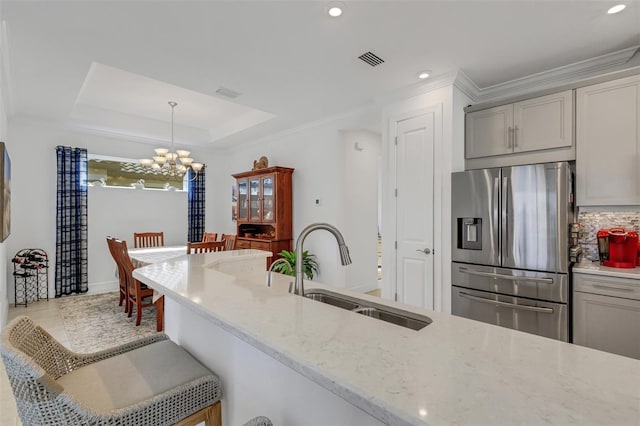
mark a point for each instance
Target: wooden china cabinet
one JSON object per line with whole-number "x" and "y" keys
{"x": 265, "y": 210}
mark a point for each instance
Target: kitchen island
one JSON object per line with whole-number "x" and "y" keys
{"x": 299, "y": 361}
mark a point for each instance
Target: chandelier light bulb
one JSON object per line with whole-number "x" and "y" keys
{"x": 161, "y": 151}
{"x": 182, "y": 153}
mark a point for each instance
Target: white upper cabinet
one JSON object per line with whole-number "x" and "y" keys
{"x": 608, "y": 143}
{"x": 489, "y": 132}
{"x": 536, "y": 124}
{"x": 543, "y": 123}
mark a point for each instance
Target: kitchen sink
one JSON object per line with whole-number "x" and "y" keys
{"x": 371, "y": 309}
{"x": 332, "y": 300}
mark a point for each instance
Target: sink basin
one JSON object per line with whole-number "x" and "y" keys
{"x": 388, "y": 314}
{"x": 332, "y": 300}
{"x": 394, "y": 318}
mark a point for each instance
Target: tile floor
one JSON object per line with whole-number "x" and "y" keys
{"x": 47, "y": 315}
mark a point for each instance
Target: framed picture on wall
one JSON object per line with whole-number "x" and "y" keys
{"x": 5, "y": 191}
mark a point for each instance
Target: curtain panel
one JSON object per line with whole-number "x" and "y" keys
{"x": 71, "y": 272}
{"x": 196, "y": 205}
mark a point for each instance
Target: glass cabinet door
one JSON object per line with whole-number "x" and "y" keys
{"x": 254, "y": 199}
{"x": 268, "y": 197}
{"x": 243, "y": 199}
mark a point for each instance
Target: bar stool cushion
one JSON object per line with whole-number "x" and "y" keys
{"x": 134, "y": 376}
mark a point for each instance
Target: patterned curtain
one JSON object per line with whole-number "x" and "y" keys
{"x": 71, "y": 221}
{"x": 196, "y": 205}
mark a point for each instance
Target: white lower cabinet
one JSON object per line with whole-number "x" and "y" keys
{"x": 606, "y": 314}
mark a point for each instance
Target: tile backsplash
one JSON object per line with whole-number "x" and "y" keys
{"x": 592, "y": 221}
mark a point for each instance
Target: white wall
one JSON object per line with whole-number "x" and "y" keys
{"x": 116, "y": 212}
{"x": 4, "y": 285}
{"x": 360, "y": 207}
{"x": 121, "y": 212}
{"x": 317, "y": 153}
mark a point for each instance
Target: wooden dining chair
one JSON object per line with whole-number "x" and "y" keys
{"x": 207, "y": 247}
{"x": 121, "y": 275}
{"x": 148, "y": 239}
{"x": 136, "y": 291}
{"x": 229, "y": 241}
{"x": 209, "y": 236}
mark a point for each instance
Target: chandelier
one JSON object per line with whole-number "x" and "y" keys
{"x": 172, "y": 162}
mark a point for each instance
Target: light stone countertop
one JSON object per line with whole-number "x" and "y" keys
{"x": 454, "y": 371}
{"x": 595, "y": 268}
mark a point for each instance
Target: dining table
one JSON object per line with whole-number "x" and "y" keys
{"x": 149, "y": 255}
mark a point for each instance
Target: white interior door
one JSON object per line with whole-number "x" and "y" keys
{"x": 414, "y": 210}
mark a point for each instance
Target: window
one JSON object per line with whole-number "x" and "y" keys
{"x": 125, "y": 172}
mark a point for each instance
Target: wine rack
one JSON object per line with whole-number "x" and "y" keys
{"x": 30, "y": 276}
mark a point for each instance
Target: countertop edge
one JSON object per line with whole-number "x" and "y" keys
{"x": 595, "y": 268}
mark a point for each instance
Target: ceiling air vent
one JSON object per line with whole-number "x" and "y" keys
{"x": 228, "y": 93}
{"x": 371, "y": 58}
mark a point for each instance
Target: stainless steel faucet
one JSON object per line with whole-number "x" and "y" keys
{"x": 345, "y": 259}
{"x": 270, "y": 271}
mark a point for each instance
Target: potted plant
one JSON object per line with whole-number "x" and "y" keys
{"x": 309, "y": 264}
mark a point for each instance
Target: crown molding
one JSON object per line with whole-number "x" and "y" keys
{"x": 433, "y": 83}
{"x": 467, "y": 86}
{"x": 102, "y": 132}
{"x": 559, "y": 76}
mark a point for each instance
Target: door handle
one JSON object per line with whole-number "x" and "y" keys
{"x": 507, "y": 277}
{"x": 425, "y": 251}
{"x": 506, "y": 304}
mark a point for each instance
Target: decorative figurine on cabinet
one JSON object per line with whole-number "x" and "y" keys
{"x": 262, "y": 163}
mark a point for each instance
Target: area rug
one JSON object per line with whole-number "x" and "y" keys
{"x": 96, "y": 322}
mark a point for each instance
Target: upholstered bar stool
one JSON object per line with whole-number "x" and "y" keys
{"x": 151, "y": 381}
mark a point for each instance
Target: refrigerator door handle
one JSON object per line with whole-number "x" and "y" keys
{"x": 496, "y": 219}
{"x": 506, "y": 277}
{"x": 510, "y": 305}
{"x": 505, "y": 218}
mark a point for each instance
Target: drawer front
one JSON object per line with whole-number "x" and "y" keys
{"x": 242, "y": 244}
{"x": 610, "y": 324}
{"x": 607, "y": 286}
{"x": 259, "y": 245}
{"x": 546, "y": 319}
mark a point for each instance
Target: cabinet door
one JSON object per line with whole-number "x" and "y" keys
{"x": 608, "y": 143}
{"x": 610, "y": 324}
{"x": 254, "y": 200}
{"x": 243, "y": 200}
{"x": 268, "y": 198}
{"x": 543, "y": 123}
{"x": 488, "y": 132}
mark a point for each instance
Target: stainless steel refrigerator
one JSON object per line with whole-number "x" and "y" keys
{"x": 511, "y": 247}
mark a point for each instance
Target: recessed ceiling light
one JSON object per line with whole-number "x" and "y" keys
{"x": 335, "y": 9}
{"x": 423, "y": 74}
{"x": 616, "y": 9}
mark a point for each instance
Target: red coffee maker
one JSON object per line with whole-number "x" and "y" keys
{"x": 618, "y": 247}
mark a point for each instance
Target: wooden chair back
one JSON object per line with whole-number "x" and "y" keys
{"x": 148, "y": 239}
{"x": 229, "y": 241}
{"x": 209, "y": 236}
{"x": 136, "y": 291}
{"x": 207, "y": 247}
{"x": 121, "y": 273}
